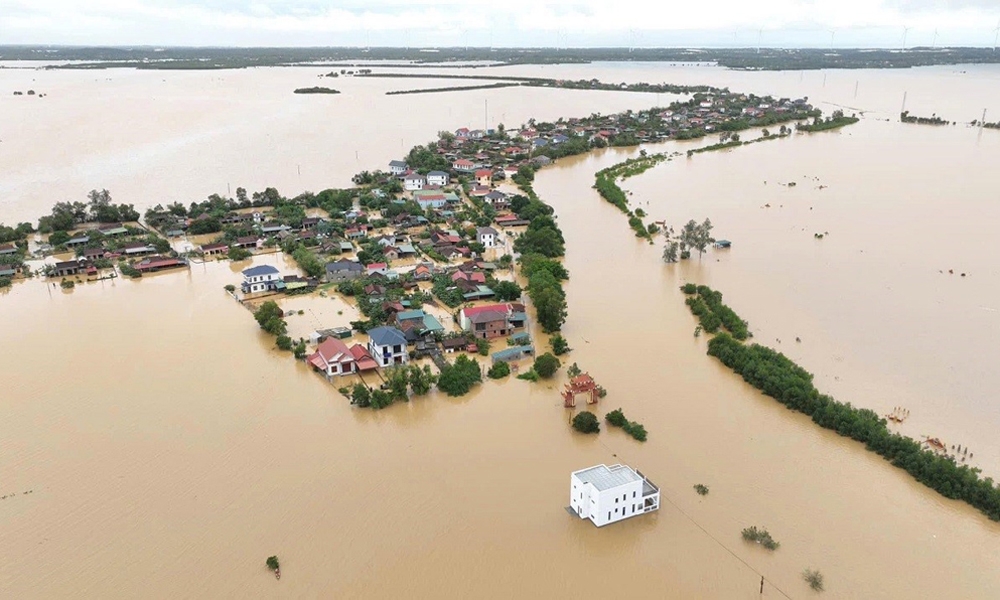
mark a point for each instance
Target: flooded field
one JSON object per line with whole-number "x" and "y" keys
{"x": 168, "y": 449}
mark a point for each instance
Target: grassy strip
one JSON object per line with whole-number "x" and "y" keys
{"x": 458, "y": 88}
{"x": 830, "y": 123}
{"x": 906, "y": 117}
{"x": 706, "y": 304}
{"x": 777, "y": 376}
{"x": 606, "y": 186}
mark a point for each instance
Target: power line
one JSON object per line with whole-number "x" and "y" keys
{"x": 710, "y": 536}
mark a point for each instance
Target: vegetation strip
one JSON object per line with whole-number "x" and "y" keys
{"x": 458, "y": 88}
{"x": 316, "y": 90}
{"x": 616, "y": 418}
{"x": 777, "y": 376}
{"x": 906, "y": 117}
{"x": 835, "y": 121}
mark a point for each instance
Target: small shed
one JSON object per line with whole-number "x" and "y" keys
{"x": 723, "y": 243}
{"x": 511, "y": 354}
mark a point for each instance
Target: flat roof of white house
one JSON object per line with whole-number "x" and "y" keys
{"x": 604, "y": 477}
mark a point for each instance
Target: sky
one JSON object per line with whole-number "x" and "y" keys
{"x": 571, "y": 23}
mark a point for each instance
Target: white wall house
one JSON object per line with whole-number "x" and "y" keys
{"x": 437, "y": 178}
{"x": 398, "y": 167}
{"x": 487, "y": 236}
{"x": 333, "y": 358}
{"x": 387, "y": 345}
{"x": 414, "y": 182}
{"x": 606, "y": 494}
{"x": 260, "y": 279}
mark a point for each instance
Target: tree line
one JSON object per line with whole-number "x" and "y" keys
{"x": 779, "y": 377}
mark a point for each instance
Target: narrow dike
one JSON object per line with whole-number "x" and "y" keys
{"x": 779, "y": 377}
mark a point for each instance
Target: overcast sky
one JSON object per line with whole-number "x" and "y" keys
{"x": 639, "y": 23}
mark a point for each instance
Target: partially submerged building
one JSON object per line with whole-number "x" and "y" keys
{"x": 607, "y": 494}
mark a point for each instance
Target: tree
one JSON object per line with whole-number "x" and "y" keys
{"x": 241, "y": 197}
{"x": 360, "y": 395}
{"x": 398, "y": 380}
{"x": 236, "y": 253}
{"x": 573, "y": 370}
{"x": 272, "y": 563}
{"x": 58, "y": 238}
{"x": 421, "y": 380}
{"x": 616, "y": 418}
{"x": 549, "y": 300}
{"x": 381, "y": 399}
{"x": 270, "y": 318}
{"x": 284, "y": 343}
{"x": 498, "y": 370}
{"x": 559, "y": 345}
{"x": 670, "y": 252}
{"x": 546, "y": 365}
{"x": 507, "y": 291}
{"x": 300, "y": 350}
{"x": 586, "y": 422}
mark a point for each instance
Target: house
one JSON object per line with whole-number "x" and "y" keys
{"x": 77, "y": 240}
{"x": 112, "y": 229}
{"x": 414, "y": 181}
{"x": 541, "y": 161}
{"x": 311, "y": 223}
{"x": 487, "y": 236}
{"x": 387, "y": 345}
{"x": 398, "y": 167}
{"x": 363, "y": 360}
{"x": 391, "y": 253}
{"x": 424, "y": 272}
{"x": 606, "y": 494}
{"x": 485, "y": 322}
{"x": 437, "y": 178}
{"x": 274, "y": 228}
{"x": 250, "y": 242}
{"x": 484, "y": 177}
{"x": 9, "y": 270}
{"x": 511, "y": 354}
{"x": 343, "y": 270}
{"x": 356, "y": 233}
{"x": 333, "y": 357}
{"x": 463, "y": 165}
{"x": 93, "y": 253}
{"x": 405, "y": 250}
{"x": 511, "y": 170}
{"x": 380, "y": 268}
{"x": 261, "y": 279}
{"x": 479, "y": 191}
{"x": 496, "y": 199}
{"x": 7, "y": 249}
{"x": 152, "y": 264}
{"x": 431, "y": 200}
{"x": 137, "y": 249}
{"x": 425, "y": 322}
{"x": 476, "y": 277}
{"x": 213, "y": 249}
{"x": 454, "y": 344}
{"x": 69, "y": 267}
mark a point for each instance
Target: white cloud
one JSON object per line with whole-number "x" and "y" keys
{"x": 516, "y": 22}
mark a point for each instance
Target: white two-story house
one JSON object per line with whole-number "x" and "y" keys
{"x": 487, "y": 236}
{"x": 606, "y": 494}
{"x": 260, "y": 279}
{"x": 387, "y": 345}
{"x": 398, "y": 167}
{"x": 414, "y": 181}
{"x": 437, "y": 178}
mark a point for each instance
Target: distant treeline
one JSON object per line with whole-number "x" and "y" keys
{"x": 906, "y": 117}
{"x": 316, "y": 90}
{"x": 581, "y": 84}
{"x": 777, "y": 376}
{"x": 735, "y": 58}
{"x": 837, "y": 120}
{"x": 458, "y": 88}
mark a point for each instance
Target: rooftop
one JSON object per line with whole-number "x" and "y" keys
{"x": 260, "y": 270}
{"x": 604, "y": 477}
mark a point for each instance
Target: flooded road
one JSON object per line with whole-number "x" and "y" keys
{"x": 169, "y": 449}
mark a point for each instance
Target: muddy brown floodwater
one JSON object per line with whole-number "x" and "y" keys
{"x": 168, "y": 449}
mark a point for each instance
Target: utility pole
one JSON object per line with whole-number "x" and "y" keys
{"x": 856, "y": 87}
{"x": 905, "y": 31}
{"x": 762, "y": 585}
{"x": 760, "y": 33}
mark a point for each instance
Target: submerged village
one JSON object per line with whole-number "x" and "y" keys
{"x": 442, "y": 251}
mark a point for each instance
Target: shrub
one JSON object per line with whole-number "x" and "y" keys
{"x": 546, "y": 365}
{"x": 380, "y": 399}
{"x": 636, "y": 430}
{"x": 573, "y": 370}
{"x": 4, "y": 282}
{"x": 284, "y": 342}
{"x": 701, "y": 489}
{"x": 760, "y": 536}
{"x": 230, "y": 287}
{"x": 67, "y": 284}
{"x": 689, "y": 288}
{"x": 529, "y": 375}
{"x": 814, "y": 578}
{"x": 559, "y": 345}
{"x": 272, "y": 563}
{"x": 499, "y": 371}
{"x": 457, "y": 379}
{"x": 300, "y": 350}
{"x": 586, "y": 422}
{"x": 616, "y": 418}
{"x": 482, "y": 347}
{"x": 236, "y": 254}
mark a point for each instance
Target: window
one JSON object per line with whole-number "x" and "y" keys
{"x": 609, "y": 515}
{"x": 633, "y": 494}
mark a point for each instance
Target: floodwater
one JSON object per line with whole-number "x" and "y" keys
{"x": 168, "y": 449}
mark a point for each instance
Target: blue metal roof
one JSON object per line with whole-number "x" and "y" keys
{"x": 387, "y": 336}
{"x": 259, "y": 270}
